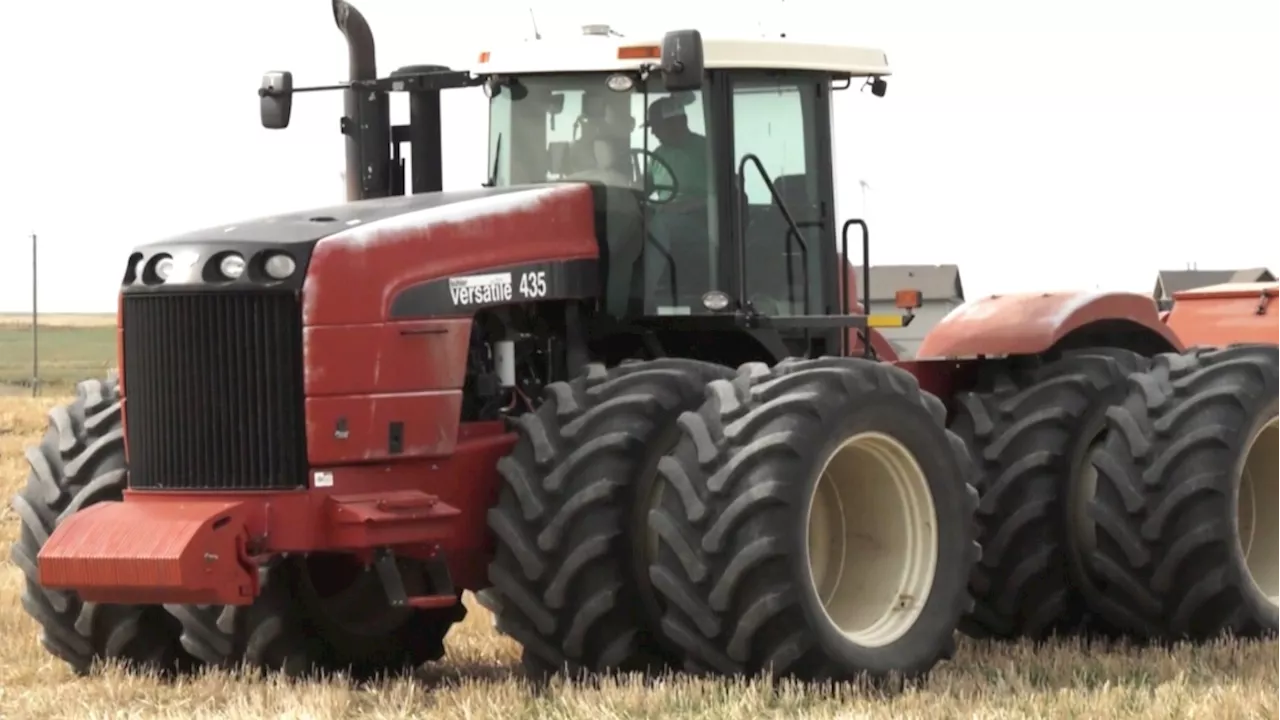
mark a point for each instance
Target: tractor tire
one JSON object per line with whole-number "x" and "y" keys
{"x": 266, "y": 635}
{"x": 81, "y": 461}
{"x": 290, "y": 629}
{"x": 1030, "y": 429}
{"x": 568, "y": 577}
{"x": 1186, "y": 503}
{"x": 760, "y": 578}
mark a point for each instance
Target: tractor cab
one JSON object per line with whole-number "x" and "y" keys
{"x": 710, "y": 162}
{"x": 714, "y": 156}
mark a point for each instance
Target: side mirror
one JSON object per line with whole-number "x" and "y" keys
{"x": 878, "y": 86}
{"x": 682, "y": 62}
{"x": 275, "y": 99}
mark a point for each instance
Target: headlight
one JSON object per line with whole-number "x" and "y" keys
{"x": 232, "y": 266}
{"x": 164, "y": 268}
{"x": 279, "y": 266}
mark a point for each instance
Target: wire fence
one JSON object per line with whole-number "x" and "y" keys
{"x": 48, "y": 353}
{"x": 54, "y": 354}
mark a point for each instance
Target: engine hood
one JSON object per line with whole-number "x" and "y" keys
{"x": 355, "y": 259}
{"x": 404, "y": 267}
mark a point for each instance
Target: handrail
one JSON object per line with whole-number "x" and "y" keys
{"x": 792, "y": 229}
{"x": 866, "y": 275}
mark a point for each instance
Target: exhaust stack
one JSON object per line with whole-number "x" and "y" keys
{"x": 366, "y": 116}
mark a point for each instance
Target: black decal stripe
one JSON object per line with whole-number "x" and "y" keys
{"x": 530, "y": 282}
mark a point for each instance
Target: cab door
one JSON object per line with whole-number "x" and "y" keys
{"x": 784, "y": 224}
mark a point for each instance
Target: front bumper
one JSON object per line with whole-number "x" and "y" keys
{"x": 157, "y": 548}
{"x": 148, "y": 552}
{"x": 167, "y": 547}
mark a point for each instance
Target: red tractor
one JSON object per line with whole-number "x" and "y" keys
{"x": 625, "y": 392}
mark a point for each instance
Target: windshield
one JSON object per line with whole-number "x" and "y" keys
{"x": 573, "y": 126}
{"x": 647, "y": 147}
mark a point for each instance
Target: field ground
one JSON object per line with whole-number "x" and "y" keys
{"x": 478, "y": 680}
{"x": 74, "y": 320}
{"x": 71, "y": 347}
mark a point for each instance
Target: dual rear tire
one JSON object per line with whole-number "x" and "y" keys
{"x": 1186, "y": 504}
{"x": 814, "y": 519}
{"x": 1126, "y": 496}
{"x": 1032, "y": 426}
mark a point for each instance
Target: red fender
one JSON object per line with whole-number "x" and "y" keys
{"x": 1031, "y": 323}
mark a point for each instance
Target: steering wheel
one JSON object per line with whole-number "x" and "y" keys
{"x": 655, "y": 190}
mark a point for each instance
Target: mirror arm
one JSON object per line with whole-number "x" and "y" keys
{"x": 433, "y": 81}
{"x": 275, "y": 92}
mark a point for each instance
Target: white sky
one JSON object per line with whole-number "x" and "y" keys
{"x": 1038, "y": 145}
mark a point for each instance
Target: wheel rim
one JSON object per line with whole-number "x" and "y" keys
{"x": 872, "y": 539}
{"x": 1256, "y": 512}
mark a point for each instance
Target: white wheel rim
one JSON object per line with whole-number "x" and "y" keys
{"x": 1256, "y": 511}
{"x": 872, "y": 539}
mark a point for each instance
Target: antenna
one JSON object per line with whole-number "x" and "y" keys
{"x": 533, "y": 19}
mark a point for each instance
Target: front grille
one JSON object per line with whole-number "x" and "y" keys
{"x": 213, "y": 386}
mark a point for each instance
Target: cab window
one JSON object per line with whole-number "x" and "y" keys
{"x": 647, "y": 152}
{"x": 773, "y": 123}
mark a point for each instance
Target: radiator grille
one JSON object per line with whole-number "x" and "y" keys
{"x": 213, "y": 386}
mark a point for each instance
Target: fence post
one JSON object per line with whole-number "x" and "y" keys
{"x": 35, "y": 324}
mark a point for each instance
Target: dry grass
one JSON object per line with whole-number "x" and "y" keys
{"x": 1226, "y": 680}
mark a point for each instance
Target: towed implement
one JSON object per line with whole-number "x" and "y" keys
{"x": 625, "y": 392}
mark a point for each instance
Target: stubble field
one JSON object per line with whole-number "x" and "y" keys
{"x": 480, "y": 679}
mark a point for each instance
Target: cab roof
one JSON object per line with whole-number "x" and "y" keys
{"x": 600, "y": 52}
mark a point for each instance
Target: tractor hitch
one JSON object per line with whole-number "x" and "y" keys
{"x": 393, "y": 583}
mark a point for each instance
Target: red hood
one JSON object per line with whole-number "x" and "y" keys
{"x": 354, "y": 274}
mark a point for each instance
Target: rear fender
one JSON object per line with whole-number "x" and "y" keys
{"x": 1034, "y": 323}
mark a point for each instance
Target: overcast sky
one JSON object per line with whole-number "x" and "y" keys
{"x": 1036, "y": 144}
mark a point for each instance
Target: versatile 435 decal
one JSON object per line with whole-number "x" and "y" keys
{"x": 496, "y": 287}
{"x": 480, "y": 289}
{"x": 557, "y": 280}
